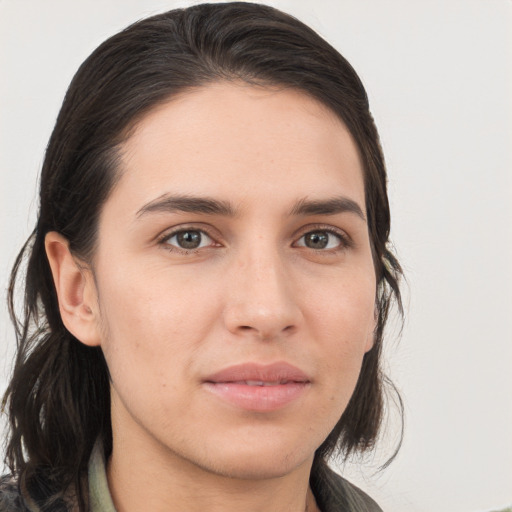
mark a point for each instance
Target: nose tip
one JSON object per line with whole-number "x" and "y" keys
{"x": 261, "y": 303}
{"x": 264, "y": 328}
{"x": 245, "y": 320}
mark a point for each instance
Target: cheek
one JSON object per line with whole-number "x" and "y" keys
{"x": 342, "y": 319}
{"x": 151, "y": 299}
{"x": 344, "y": 310}
{"x": 151, "y": 335}
{"x": 151, "y": 324}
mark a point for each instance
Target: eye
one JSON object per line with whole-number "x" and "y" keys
{"x": 321, "y": 239}
{"x": 188, "y": 239}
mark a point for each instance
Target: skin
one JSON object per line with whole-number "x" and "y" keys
{"x": 253, "y": 291}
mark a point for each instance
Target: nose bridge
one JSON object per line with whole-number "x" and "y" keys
{"x": 261, "y": 300}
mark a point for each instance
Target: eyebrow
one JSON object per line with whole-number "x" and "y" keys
{"x": 188, "y": 204}
{"x": 209, "y": 206}
{"x": 333, "y": 206}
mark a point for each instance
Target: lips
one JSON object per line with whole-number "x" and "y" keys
{"x": 260, "y": 388}
{"x": 261, "y": 382}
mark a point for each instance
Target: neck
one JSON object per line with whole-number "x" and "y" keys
{"x": 165, "y": 482}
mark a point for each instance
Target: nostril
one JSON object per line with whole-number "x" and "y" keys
{"x": 245, "y": 328}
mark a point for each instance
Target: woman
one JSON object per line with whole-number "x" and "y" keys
{"x": 208, "y": 280}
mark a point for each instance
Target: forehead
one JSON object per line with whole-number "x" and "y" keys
{"x": 236, "y": 141}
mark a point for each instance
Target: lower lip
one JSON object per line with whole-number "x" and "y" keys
{"x": 258, "y": 398}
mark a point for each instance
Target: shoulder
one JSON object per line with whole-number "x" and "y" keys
{"x": 361, "y": 500}
{"x": 335, "y": 494}
{"x": 17, "y": 496}
{"x": 10, "y": 496}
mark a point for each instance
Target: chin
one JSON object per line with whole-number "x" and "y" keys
{"x": 257, "y": 462}
{"x": 265, "y": 468}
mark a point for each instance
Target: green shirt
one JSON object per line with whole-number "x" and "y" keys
{"x": 99, "y": 494}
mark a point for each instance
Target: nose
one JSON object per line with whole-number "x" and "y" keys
{"x": 261, "y": 302}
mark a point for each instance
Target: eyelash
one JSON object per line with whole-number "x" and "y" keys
{"x": 344, "y": 241}
{"x": 164, "y": 240}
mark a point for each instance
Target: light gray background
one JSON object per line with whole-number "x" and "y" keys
{"x": 438, "y": 73}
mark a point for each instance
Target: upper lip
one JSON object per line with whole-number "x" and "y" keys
{"x": 275, "y": 372}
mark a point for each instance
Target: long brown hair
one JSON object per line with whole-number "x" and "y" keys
{"x": 58, "y": 398}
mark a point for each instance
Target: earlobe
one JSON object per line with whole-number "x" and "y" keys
{"x": 369, "y": 342}
{"x": 75, "y": 289}
{"x": 370, "y": 339}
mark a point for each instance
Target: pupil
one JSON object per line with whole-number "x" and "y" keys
{"x": 317, "y": 240}
{"x": 189, "y": 239}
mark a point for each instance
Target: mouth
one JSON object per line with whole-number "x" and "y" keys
{"x": 258, "y": 388}
{"x": 262, "y": 383}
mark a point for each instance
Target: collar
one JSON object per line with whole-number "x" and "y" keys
{"x": 100, "y": 499}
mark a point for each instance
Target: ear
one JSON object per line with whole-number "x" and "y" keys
{"x": 76, "y": 291}
{"x": 370, "y": 339}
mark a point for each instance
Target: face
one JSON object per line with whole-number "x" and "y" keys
{"x": 234, "y": 280}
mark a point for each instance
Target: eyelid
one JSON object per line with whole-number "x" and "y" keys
{"x": 346, "y": 241}
{"x": 164, "y": 237}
